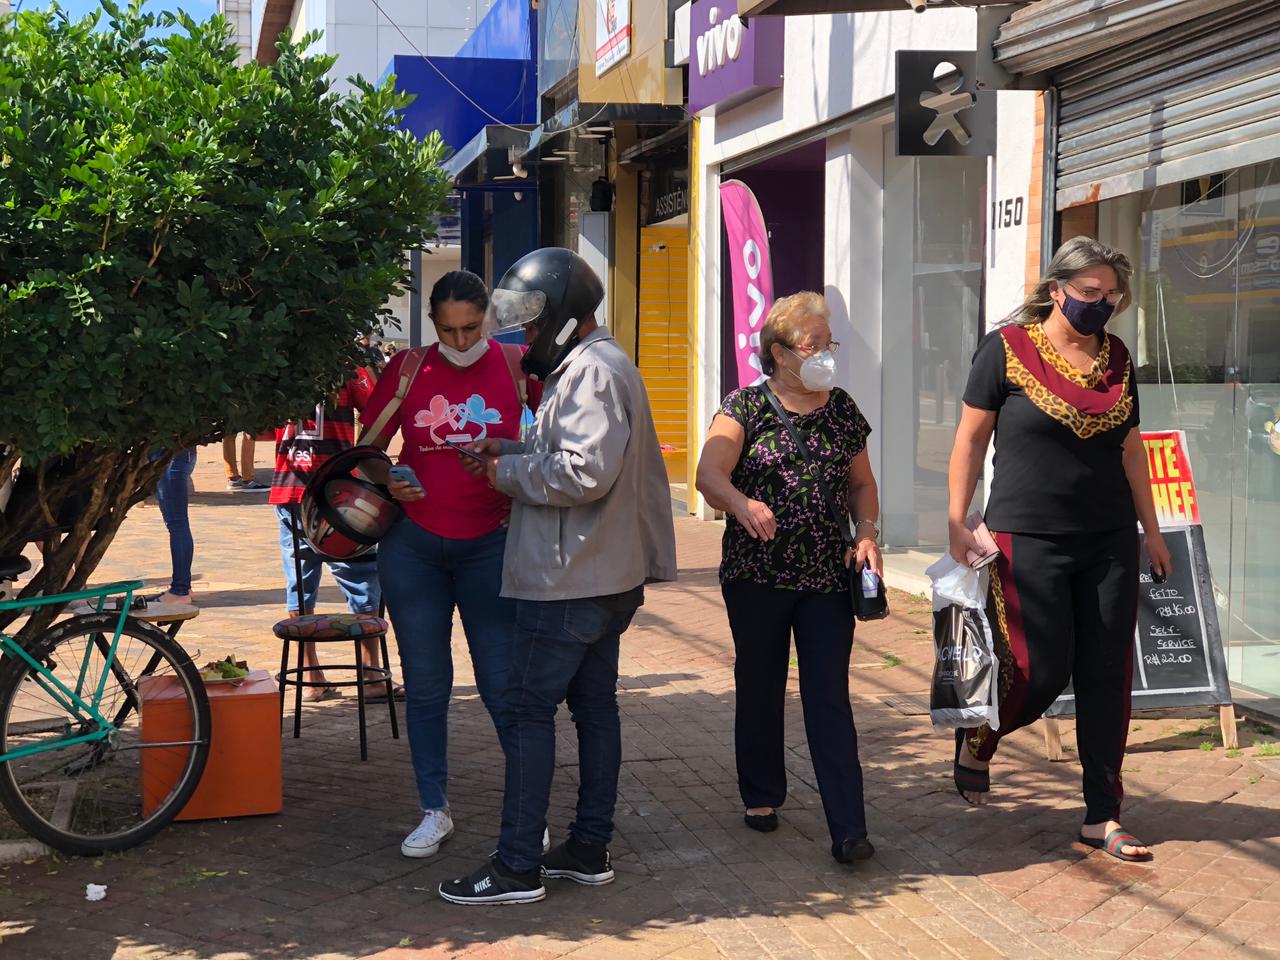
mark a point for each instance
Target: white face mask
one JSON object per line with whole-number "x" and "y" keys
{"x": 818, "y": 371}
{"x": 464, "y": 358}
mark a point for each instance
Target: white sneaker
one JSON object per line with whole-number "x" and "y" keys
{"x": 436, "y": 827}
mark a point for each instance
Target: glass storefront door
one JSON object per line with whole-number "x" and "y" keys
{"x": 1205, "y": 335}
{"x": 933, "y": 220}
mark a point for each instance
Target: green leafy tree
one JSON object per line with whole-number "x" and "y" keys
{"x": 187, "y": 248}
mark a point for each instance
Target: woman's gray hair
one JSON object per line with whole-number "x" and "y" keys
{"x": 1078, "y": 253}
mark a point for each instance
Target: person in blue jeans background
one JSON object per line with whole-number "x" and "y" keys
{"x": 447, "y": 551}
{"x": 173, "y": 498}
{"x": 590, "y": 525}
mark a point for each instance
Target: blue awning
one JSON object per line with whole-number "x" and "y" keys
{"x": 459, "y": 96}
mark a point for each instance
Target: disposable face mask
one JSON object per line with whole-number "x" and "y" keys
{"x": 465, "y": 358}
{"x": 818, "y": 372}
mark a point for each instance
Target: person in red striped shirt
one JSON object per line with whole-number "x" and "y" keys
{"x": 301, "y": 448}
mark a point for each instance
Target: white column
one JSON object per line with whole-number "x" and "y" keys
{"x": 707, "y": 328}
{"x": 854, "y": 266}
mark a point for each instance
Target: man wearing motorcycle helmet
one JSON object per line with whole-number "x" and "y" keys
{"x": 590, "y": 526}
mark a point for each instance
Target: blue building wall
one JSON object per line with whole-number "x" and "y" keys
{"x": 505, "y": 88}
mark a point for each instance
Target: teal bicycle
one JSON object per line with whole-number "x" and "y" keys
{"x": 80, "y": 767}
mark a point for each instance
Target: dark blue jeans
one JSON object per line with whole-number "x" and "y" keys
{"x": 563, "y": 650}
{"x": 173, "y": 498}
{"x": 424, "y": 577}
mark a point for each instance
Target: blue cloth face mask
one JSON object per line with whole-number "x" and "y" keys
{"x": 1087, "y": 318}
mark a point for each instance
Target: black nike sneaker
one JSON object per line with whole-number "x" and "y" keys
{"x": 493, "y": 883}
{"x": 580, "y": 862}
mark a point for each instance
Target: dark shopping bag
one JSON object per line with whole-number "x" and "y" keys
{"x": 965, "y": 691}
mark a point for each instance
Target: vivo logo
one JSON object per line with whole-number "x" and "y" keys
{"x": 753, "y": 261}
{"x": 720, "y": 44}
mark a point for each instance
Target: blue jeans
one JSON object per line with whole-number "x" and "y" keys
{"x": 425, "y": 576}
{"x": 564, "y": 650}
{"x": 172, "y": 496}
{"x": 358, "y": 579}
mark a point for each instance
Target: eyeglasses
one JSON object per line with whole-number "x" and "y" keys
{"x": 1093, "y": 295}
{"x": 806, "y": 349}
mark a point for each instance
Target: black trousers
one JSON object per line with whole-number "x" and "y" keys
{"x": 763, "y": 620}
{"x": 1063, "y": 608}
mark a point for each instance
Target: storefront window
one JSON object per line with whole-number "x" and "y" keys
{"x": 1205, "y": 334}
{"x": 933, "y": 210}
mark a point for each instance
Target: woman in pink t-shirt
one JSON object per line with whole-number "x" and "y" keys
{"x": 447, "y": 551}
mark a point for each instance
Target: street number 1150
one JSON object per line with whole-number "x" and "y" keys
{"x": 1007, "y": 213}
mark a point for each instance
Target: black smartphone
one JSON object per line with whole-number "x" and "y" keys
{"x": 478, "y": 458}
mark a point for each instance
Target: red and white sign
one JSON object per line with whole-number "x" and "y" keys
{"x": 1172, "y": 486}
{"x": 613, "y": 33}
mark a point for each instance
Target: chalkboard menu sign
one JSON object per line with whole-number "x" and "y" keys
{"x": 1177, "y": 652}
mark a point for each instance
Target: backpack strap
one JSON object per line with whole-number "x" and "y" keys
{"x": 518, "y": 378}
{"x": 372, "y": 434}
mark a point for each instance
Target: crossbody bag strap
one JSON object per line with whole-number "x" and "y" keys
{"x": 372, "y": 434}
{"x": 521, "y": 382}
{"x": 842, "y": 524}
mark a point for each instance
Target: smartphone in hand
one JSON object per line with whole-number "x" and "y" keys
{"x": 478, "y": 458}
{"x": 405, "y": 474}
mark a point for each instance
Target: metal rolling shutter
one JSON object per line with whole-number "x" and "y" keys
{"x": 1194, "y": 99}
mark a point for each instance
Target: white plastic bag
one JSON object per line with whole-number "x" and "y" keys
{"x": 965, "y": 689}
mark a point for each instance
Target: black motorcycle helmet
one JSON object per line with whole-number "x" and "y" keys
{"x": 554, "y": 289}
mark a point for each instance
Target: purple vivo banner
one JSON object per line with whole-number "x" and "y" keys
{"x": 752, "y": 275}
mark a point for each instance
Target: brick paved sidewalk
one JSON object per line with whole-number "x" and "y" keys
{"x": 325, "y": 878}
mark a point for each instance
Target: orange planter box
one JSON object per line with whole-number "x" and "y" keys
{"x": 242, "y": 777}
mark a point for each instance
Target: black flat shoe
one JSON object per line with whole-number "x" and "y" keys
{"x": 851, "y": 850}
{"x": 766, "y": 823}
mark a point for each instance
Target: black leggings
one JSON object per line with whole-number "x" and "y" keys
{"x": 1063, "y": 608}
{"x": 762, "y": 620}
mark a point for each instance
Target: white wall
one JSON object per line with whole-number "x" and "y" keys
{"x": 1010, "y": 182}
{"x": 850, "y": 58}
{"x": 366, "y": 39}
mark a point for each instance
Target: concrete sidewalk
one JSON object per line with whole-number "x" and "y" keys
{"x": 325, "y": 878}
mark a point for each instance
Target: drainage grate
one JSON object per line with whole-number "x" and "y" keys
{"x": 908, "y": 704}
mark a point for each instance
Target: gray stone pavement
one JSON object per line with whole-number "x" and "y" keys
{"x": 325, "y": 879}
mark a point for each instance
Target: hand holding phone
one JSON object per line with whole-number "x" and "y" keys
{"x": 402, "y": 473}
{"x": 467, "y": 452}
{"x": 987, "y": 551}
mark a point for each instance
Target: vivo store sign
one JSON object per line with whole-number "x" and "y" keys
{"x": 732, "y": 61}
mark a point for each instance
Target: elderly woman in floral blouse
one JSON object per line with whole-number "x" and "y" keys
{"x": 784, "y": 569}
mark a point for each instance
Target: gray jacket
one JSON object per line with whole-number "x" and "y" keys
{"x": 592, "y": 507}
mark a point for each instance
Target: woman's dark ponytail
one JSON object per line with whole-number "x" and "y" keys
{"x": 460, "y": 286}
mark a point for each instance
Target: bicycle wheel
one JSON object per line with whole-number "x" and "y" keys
{"x": 117, "y": 790}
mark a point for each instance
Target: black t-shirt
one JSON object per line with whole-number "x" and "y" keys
{"x": 1059, "y": 465}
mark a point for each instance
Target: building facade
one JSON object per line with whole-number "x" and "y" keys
{"x": 895, "y": 243}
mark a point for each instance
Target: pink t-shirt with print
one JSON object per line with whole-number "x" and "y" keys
{"x": 462, "y": 405}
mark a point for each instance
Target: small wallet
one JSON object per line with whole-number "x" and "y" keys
{"x": 987, "y": 550}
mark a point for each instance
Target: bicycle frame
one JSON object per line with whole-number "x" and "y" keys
{"x": 72, "y": 701}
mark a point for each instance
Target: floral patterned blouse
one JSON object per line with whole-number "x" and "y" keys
{"x": 808, "y": 552}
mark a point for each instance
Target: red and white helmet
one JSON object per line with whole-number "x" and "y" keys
{"x": 344, "y": 516}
